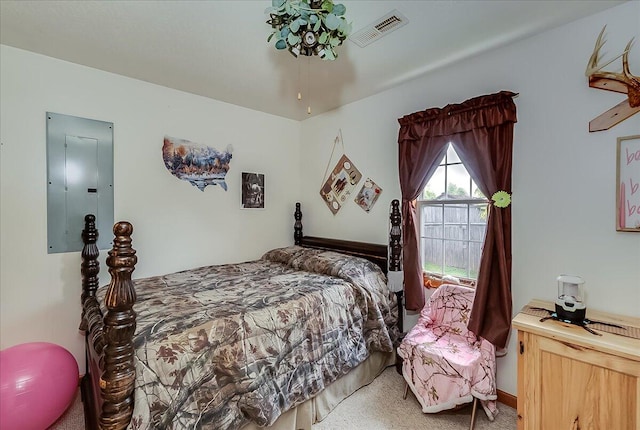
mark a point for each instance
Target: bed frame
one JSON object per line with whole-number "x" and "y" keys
{"x": 107, "y": 387}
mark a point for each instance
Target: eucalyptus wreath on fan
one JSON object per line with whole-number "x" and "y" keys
{"x": 308, "y": 27}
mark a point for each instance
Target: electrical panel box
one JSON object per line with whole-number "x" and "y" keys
{"x": 79, "y": 180}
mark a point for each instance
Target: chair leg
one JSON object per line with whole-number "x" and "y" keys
{"x": 406, "y": 390}
{"x": 473, "y": 412}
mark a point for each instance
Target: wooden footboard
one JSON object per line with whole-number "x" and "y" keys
{"x": 109, "y": 381}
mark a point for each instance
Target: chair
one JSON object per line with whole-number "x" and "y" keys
{"x": 444, "y": 363}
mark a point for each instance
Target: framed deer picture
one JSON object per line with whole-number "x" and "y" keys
{"x": 628, "y": 183}
{"x": 252, "y": 190}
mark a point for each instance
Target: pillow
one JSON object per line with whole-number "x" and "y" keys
{"x": 283, "y": 255}
{"x": 320, "y": 261}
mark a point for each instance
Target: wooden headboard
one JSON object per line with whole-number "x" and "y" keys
{"x": 375, "y": 253}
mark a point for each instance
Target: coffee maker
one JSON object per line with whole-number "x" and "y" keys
{"x": 570, "y": 304}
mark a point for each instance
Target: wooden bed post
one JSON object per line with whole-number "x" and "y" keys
{"x": 118, "y": 376}
{"x": 90, "y": 267}
{"x": 395, "y": 252}
{"x": 395, "y": 237}
{"x": 297, "y": 226}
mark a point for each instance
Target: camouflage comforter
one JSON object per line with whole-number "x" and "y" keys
{"x": 219, "y": 346}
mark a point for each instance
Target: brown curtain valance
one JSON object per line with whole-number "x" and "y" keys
{"x": 478, "y": 112}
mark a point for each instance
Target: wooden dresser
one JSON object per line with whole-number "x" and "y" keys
{"x": 570, "y": 379}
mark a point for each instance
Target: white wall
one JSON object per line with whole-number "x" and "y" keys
{"x": 176, "y": 226}
{"x": 563, "y": 176}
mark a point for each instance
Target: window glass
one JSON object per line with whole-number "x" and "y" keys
{"x": 432, "y": 257}
{"x": 477, "y": 221}
{"x": 452, "y": 155}
{"x": 456, "y": 258}
{"x": 458, "y": 182}
{"x": 453, "y": 223}
{"x": 435, "y": 186}
{"x": 475, "y": 251}
{"x": 476, "y": 193}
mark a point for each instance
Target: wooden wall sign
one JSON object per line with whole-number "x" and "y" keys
{"x": 623, "y": 82}
{"x": 343, "y": 179}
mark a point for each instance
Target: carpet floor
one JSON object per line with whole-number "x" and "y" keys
{"x": 378, "y": 406}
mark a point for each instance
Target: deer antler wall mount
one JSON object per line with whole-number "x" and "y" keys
{"x": 623, "y": 82}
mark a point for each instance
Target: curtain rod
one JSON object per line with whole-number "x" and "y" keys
{"x": 454, "y": 111}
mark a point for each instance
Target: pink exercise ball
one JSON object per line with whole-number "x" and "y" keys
{"x": 38, "y": 382}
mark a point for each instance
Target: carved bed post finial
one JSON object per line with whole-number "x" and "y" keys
{"x": 90, "y": 267}
{"x": 297, "y": 227}
{"x": 118, "y": 374}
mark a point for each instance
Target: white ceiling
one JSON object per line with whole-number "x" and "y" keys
{"x": 218, "y": 49}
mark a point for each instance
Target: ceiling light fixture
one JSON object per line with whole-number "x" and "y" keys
{"x": 308, "y": 27}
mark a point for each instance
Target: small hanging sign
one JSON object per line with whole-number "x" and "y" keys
{"x": 343, "y": 178}
{"x": 368, "y": 195}
{"x": 336, "y": 189}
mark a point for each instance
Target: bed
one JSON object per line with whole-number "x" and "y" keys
{"x": 273, "y": 343}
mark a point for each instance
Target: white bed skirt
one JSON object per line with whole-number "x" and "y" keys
{"x": 316, "y": 409}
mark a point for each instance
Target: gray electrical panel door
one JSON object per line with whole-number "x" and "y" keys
{"x": 79, "y": 180}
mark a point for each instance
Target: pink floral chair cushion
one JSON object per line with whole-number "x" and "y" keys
{"x": 444, "y": 363}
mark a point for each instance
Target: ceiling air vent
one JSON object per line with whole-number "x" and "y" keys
{"x": 381, "y": 27}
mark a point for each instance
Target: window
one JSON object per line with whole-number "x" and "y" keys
{"x": 453, "y": 221}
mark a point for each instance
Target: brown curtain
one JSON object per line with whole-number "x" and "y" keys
{"x": 481, "y": 131}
